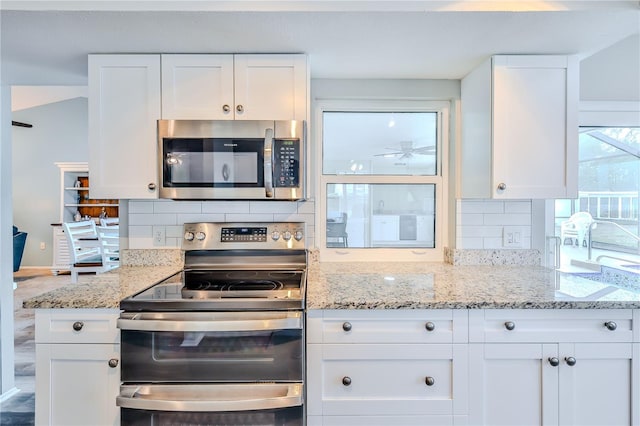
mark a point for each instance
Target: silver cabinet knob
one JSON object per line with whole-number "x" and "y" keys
{"x": 571, "y": 361}
{"x": 554, "y": 361}
{"x": 429, "y": 381}
{"x": 430, "y": 326}
{"x": 502, "y": 186}
{"x": 611, "y": 325}
{"x": 113, "y": 363}
{"x": 346, "y": 326}
{"x": 240, "y": 108}
{"x": 509, "y": 325}
{"x": 151, "y": 186}
{"x": 346, "y": 380}
{"x": 226, "y": 108}
{"x": 77, "y": 326}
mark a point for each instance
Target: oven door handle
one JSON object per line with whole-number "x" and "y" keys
{"x": 268, "y": 163}
{"x": 293, "y": 322}
{"x": 210, "y": 397}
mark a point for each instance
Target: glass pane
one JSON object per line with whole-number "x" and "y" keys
{"x": 380, "y": 215}
{"x": 379, "y": 143}
{"x": 609, "y": 184}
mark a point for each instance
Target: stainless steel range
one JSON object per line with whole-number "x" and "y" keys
{"x": 221, "y": 342}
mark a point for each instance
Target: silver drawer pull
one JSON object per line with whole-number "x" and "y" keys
{"x": 554, "y": 361}
{"x": 429, "y": 381}
{"x": 77, "y": 326}
{"x": 113, "y": 363}
{"x": 611, "y": 325}
{"x": 509, "y": 325}
{"x": 346, "y": 380}
{"x": 571, "y": 361}
{"x": 346, "y": 326}
{"x": 430, "y": 326}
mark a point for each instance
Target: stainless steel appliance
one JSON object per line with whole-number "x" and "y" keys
{"x": 221, "y": 342}
{"x": 227, "y": 159}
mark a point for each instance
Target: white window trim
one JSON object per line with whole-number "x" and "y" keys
{"x": 415, "y": 254}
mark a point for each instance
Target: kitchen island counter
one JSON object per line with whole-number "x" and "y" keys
{"x": 391, "y": 285}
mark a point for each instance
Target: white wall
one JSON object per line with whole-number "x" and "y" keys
{"x": 59, "y": 134}
{"x": 613, "y": 74}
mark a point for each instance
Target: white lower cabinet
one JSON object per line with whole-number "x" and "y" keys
{"x": 552, "y": 380}
{"x": 400, "y": 367}
{"x": 77, "y": 367}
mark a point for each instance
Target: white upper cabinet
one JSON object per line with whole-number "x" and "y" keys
{"x": 124, "y": 106}
{"x": 520, "y": 128}
{"x": 234, "y": 87}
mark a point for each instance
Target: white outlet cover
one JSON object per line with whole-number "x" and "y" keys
{"x": 512, "y": 236}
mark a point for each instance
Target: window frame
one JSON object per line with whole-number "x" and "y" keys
{"x": 440, "y": 180}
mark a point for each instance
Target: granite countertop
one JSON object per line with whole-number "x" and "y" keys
{"x": 371, "y": 285}
{"x": 438, "y": 285}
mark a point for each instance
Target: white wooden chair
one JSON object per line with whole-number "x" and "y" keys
{"x": 84, "y": 248}
{"x": 109, "y": 221}
{"x": 109, "y": 237}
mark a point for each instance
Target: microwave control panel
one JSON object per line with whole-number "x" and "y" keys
{"x": 286, "y": 165}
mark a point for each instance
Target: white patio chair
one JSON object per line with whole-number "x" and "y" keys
{"x": 109, "y": 237}
{"x": 576, "y": 227}
{"x": 84, "y": 248}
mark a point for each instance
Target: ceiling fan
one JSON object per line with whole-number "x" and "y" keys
{"x": 407, "y": 150}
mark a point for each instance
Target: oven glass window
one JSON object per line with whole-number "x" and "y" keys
{"x": 209, "y": 162}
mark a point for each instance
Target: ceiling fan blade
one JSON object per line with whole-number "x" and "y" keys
{"x": 389, "y": 154}
{"x": 424, "y": 150}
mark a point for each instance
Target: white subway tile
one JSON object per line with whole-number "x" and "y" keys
{"x": 517, "y": 206}
{"x": 273, "y": 207}
{"x": 482, "y": 231}
{"x": 153, "y": 219}
{"x": 492, "y": 243}
{"x": 471, "y": 219}
{"x": 507, "y": 219}
{"x": 222, "y": 207}
{"x": 173, "y": 242}
{"x": 140, "y": 243}
{"x": 471, "y": 243}
{"x": 140, "y": 231}
{"x": 177, "y": 207}
{"x": 493, "y": 206}
{"x": 140, "y": 206}
{"x": 295, "y": 217}
{"x": 200, "y": 217}
{"x": 471, "y": 206}
{"x": 173, "y": 231}
{"x": 249, "y": 217}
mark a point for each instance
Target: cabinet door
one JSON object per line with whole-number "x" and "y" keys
{"x": 270, "y": 87}
{"x": 197, "y": 87}
{"x": 534, "y": 121}
{"x": 600, "y": 388}
{"x": 385, "y": 228}
{"x": 124, "y": 106}
{"x": 61, "y": 255}
{"x": 76, "y": 385}
{"x": 513, "y": 384}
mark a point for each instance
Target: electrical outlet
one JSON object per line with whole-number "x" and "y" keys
{"x": 43, "y": 245}
{"x": 512, "y": 236}
{"x": 159, "y": 236}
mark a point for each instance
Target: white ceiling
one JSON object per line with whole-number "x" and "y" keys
{"x": 404, "y": 39}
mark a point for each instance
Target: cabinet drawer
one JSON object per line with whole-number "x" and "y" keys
{"x": 381, "y": 421}
{"x": 392, "y": 326}
{"x": 77, "y": 326}
{"x": 385, "y": 379}
{"x": 551, "y": 325}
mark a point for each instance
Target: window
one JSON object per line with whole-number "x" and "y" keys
{"x": 381, "y": 187}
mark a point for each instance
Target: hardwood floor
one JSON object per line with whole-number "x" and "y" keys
{"x": 19, "y": 409}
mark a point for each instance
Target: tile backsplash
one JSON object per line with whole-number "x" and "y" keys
{"x": 158, "y": 223}
{"x": 481, "y": 224}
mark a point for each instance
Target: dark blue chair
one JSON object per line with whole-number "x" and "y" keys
{"x": 19, "y": 240}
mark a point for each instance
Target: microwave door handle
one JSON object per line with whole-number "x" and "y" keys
{"x": 268, "y": 163}
{"x": 148, "y": 401}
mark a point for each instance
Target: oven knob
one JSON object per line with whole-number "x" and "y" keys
{"x": 275, "y": 235}
{"x": 200, "y": 236}
{"x": 188, "y": 236}
{"x": 286, "y": 235}
{"x": 298, "y": 235}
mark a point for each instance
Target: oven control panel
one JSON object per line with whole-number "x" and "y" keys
{"x": 222, "y": 236}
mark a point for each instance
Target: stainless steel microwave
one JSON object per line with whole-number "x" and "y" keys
{"x": 231, "y": 160}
